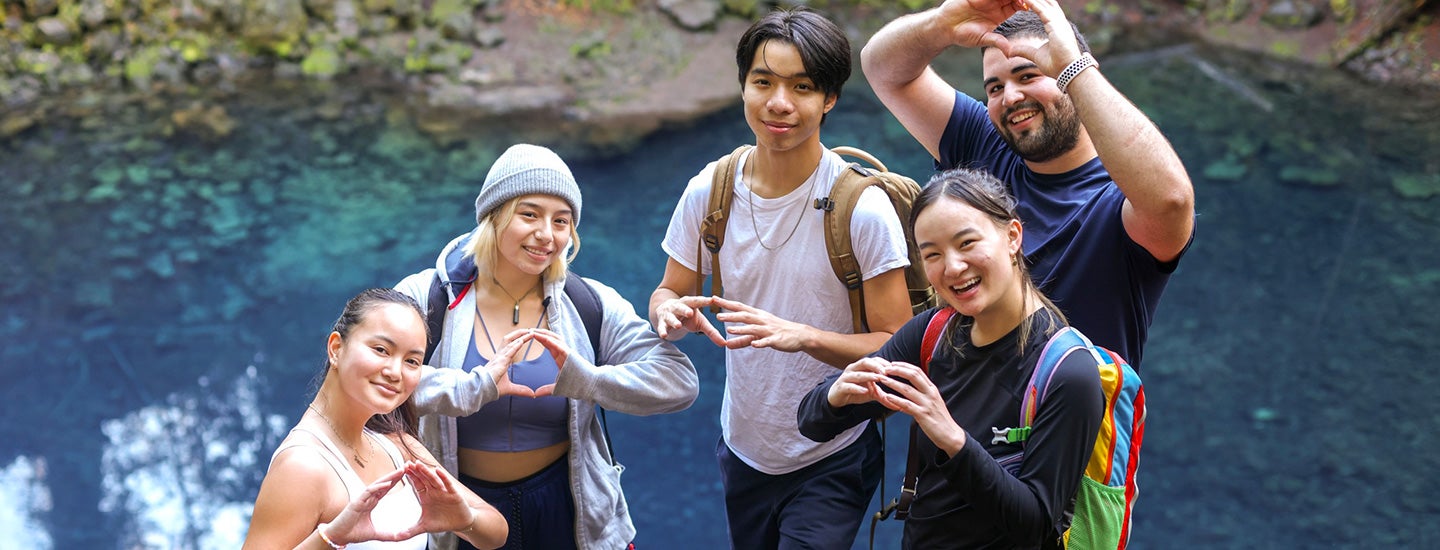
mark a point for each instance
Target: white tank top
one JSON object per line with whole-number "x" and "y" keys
{"x": 398, "y": 509}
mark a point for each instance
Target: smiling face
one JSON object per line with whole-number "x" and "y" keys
{"x": 379, "y": 360}
{"x": 535, "y": 236}
{"x": 783, "y": 106}
{"x": 969, "y": 258}
{"x": 1033, "y": 116}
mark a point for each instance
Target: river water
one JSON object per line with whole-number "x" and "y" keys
{"x": 166, "y": 299}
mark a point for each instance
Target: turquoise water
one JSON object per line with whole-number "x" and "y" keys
{"x": 166, "y": 299}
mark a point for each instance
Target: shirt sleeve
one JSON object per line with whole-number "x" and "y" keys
{"x": 682, "y": 237}
{"x": 646, "y": 374}
{"x": 876, "y": 235}
{"x": 1033, "y": 504}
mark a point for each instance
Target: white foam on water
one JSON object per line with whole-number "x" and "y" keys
{"x": 24, "y": 499}
{"x": 183, "y": 475}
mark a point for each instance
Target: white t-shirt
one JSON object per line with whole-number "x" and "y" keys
{"x": 790, "y": 277}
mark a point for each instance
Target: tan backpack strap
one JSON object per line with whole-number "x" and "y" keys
{"x": 839, "y": 207}
{"x": 712, "y": 227}
{"x": 847, "y": 151}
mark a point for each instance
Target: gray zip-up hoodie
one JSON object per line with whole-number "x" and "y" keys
{"x": 645, "y": 375}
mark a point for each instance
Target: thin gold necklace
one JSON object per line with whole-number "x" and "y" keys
{"x": 750, "y": 200}
{"x": 355, "y": 454}
{"x": 514, "y": 314}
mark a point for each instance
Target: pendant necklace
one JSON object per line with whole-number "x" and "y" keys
{"x": 494, "y": 350}
{"x": 515, "y": 313}
{"x": 353, "y": 453}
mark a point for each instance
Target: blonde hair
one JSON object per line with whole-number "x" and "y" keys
{"x": 485, "y": 248}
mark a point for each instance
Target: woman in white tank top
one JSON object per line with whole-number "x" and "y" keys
{"x": 351, "y": 473}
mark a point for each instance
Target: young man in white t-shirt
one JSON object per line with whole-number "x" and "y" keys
{"x": 787, "y": 316}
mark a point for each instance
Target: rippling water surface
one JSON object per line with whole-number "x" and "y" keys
{"x": 166, "y": 298}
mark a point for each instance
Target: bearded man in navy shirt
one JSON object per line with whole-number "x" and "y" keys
{"x": 1107, "y": 205}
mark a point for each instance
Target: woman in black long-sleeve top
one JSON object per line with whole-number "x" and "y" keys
{"x": 968, "y": 494}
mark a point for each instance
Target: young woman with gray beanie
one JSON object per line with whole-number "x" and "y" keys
{"x": 507, "y": 401}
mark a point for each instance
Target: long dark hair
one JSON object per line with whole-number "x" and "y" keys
{"x": 983, "y": 192}
{"x": 403, "y": 419}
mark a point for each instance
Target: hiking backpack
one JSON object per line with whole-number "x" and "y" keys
{"x": 1106, "y": 495}
{"x": 839, "y": 206}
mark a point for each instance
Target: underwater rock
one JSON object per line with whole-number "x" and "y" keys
{"x": 1225, "y": 170}
{"x": 16, "y": 92}
{"x": 207, "y": 123}
{"x": 1317, "y": 177}
{"x": 1416, "y": 186}
{"x": 160, "y": 264}
{"x": 14, "y": 123}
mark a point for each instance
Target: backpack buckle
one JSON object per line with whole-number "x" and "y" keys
{"x": 1009, "y": 435}
{"x": 824, "y": 203}
{"x": 1000, "y": 434}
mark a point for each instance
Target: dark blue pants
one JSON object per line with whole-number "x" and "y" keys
{"x": 819, "y": 506}
{"x": 539, "y": 509}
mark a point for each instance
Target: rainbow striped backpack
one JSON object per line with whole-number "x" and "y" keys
{"x": 1107, "y": 491}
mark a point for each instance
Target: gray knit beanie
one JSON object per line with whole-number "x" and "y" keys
{"x": 527, "y": 169}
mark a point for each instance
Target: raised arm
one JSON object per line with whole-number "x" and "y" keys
{"x": 1159, "y": 211}
{"x": 896, "y": 61}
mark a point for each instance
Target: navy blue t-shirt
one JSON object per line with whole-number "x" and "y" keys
{"x": 1077, "y": 250}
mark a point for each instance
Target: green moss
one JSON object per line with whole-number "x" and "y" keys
{"x": 1344, "y": 10}
{"x": 591, "y": 46}
{"x": 193, "y": 47}
{"x": 141, "y": 66}
{"x": 611, "y": 6}
{"x": 443, "y": 9}
{"x": 1285, "y": 48}
{"x": 323, "y": 62}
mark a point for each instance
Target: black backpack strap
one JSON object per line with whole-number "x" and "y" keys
{"x": 587, "y": 304}
{"x": 435, "y": 315}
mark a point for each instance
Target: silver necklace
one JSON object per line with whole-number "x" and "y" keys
{"x": 750, "y": 201}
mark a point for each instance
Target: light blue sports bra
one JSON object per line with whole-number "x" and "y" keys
{"x": 513, "y": 424}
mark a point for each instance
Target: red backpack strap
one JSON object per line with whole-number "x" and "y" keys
{"x": 933, "y": 331}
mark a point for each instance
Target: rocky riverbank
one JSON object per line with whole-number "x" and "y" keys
{"x": 603, "y": 72}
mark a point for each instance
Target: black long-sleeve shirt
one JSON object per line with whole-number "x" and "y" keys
{"x": 975, "y": 499}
